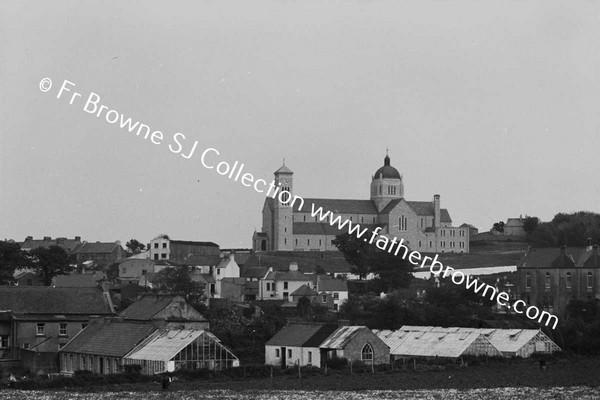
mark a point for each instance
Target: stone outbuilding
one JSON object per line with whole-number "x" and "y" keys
{"x": 356, "y": 344}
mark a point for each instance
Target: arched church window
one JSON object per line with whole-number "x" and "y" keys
{"x": 263, "y": 245}
{"x": 367, "y": 352}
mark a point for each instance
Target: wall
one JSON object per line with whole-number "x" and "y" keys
{"x": 26, "y": 333}
{"x": 353, "y": 350}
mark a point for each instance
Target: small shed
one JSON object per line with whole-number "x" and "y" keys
{"x": 168, "y": 350}
{"x": 356, "y": 343}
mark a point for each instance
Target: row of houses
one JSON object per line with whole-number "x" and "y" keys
{"x": 313, "y": 344}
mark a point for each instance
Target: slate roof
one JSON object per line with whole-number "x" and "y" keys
{"x": 210, "y": 261}
{"x": 426, "y": 208}
{"x": 551, "y": 257}
{"x": 340, "y": 206}
{"x": 109, "y": 338}
{"x": 75, "y": 280}
{"x": 95, "y": 248}
{"x": 302, "y": 334}
{"x": 67, "y": 244}
{"x": 253, "y": 272}
{"x": 304, "y": 290}
{"x": 318, "y": 228}
{"x": 146, "y": 307}
{"x": 51, "y": 300}
{"x": 287, "y": 276}
{"x": 590, "y": 258}
{"x": 189, "y": 242}
{"x": 332, "y": 285}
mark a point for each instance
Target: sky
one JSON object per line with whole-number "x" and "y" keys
{"x": 494, "y": 105}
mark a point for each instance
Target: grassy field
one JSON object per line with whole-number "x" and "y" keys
{"x": 575, "y": 393}
{"x": 521, "y": 379}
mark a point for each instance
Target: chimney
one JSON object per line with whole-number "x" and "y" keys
{"x": 78, "y": 238}
{"x": 436, "y": 210}
{"x": 29, "y": 238}
{"x": 231, "y": 256}
{"x": 293, "y": 266}
{"x": 60, "y": 240}
{"x": 47, "y": 238}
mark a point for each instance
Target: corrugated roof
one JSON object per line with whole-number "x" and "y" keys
{"x": 51, "y": 300}
{"x": 109, "y": 338}
{"x": 341, "y": 337}
{"x": 298, "y": 334}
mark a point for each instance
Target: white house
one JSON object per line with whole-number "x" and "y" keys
{"x": 337, "y": 288}
{"x": 278, "y": 285}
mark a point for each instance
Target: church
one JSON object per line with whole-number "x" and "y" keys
{"x": 424, "y": 225}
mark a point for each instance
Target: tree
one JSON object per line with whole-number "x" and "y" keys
{"x": 567, "y": 229}
{"x": 177, "y": 281}
{"x": 356, "y": 252}
{"x": 530, "y": 224}
{"x": 50, "y": 262}
{"x": 11, "y": 257}
{"x": 135, "y": 246}
{"x": 392, "y": 271}
{"x": 498, "y": 227}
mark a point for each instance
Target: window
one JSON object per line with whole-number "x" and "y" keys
{"x": 548, "y": 280}
{"x": 285, "y": 285}
{"x": 568, "y": 280}
{"x": 304, "y": 218}
{"x": 277, "y": 353}
{"x": 91, "y": 363}
{"x": 286, "y": 295}
{"x": 40, "y": 329}
{"x": 62, "y": 329}
{"x": 367, "y": 353}
{"x": 310, "y": 357}
{"x": 528, "y": 281}
{"x": 218, "y": 271}
{"x": 284, "y": 240}
{"x": 285, "y": 230}
{"x": 296, "y": 242}
{"x": 402, "y": 223}
{"x": 289, "y": 353}
{"x": 163, "y": 255}
{"x": 164, "y": 245}
{"x": 336, "y": 295}
{"x": 25, "y": 346}
{"x": 320, "y": 242}
{"x": 268, "y": 286}
{"x": 144, "y": 272}
{"x": 156, "y": 245}
{"x": 324, "y": 299}
{"x": 156, "y": 256}
{"x": 3, "y": 342}
{"x": 362, "y": 219}
{"x": 590, "y": 281}
{"x": 335, "y": 307}
{"x": 71, "y": 359}
{"x": 308, "y": 242}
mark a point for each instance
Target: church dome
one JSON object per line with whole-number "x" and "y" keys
{"x": 387, "y": 171}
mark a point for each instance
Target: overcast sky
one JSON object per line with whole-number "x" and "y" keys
{"x": 493, "y": 105}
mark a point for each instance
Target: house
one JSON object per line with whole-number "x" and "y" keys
{"x": 337, "y": 288}
{"x": 356, "y": 344}
{"x": 472, "y": 229}
{"x": 67, "y": 244}
{"x": 39, "y": 320}
{"x": 322, "y": 299}
{"x": 131, "y": 270}
{"x": 168, "y": 350}
{"x": 298, "y": 343}
{"x": 179, "y": 251}
{"x": 409, "y": 342}
{"x": 550, "y": 278}
{"x": 100, "y": 253}
{"x": 509, "y": 342}
{"x": 26, "y": 277}
{"x": 277, "y": 285}
{"x": 101, "y": 346}
{"x": 177, "y": 312}
{"x": 226, "y": 268}
{"x": 514, "y": 227}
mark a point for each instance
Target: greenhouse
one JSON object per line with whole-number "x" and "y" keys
{"x": 169, "y": 350}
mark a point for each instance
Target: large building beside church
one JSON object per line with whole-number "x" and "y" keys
{"x": 424, "y": 225}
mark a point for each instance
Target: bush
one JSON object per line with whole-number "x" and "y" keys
{"x": 337, "y": 363}
{"x": 132, "y": 369}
